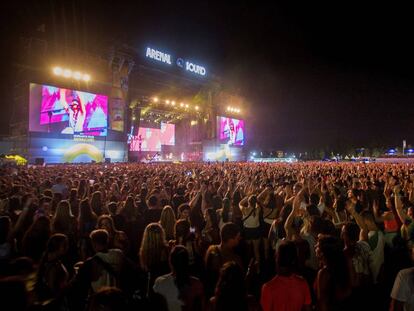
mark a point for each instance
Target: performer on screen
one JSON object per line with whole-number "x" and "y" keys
{"x": 230, "y": 131}
{"x": 233, "y": 130}
{"x": 75, "y": 108}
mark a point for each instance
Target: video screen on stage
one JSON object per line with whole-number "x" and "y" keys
{"x": 66, "y": 111}
{"x": 68, "y": 150}
{"x": 151, "y": 139}
{"x": 231, "y": 131}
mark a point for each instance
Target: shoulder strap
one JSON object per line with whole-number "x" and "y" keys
{"x": 106, "y": 266}
{"x": 268, "y": 214}
{"x": 248, "y": 216}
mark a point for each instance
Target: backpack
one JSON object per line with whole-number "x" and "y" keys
{"x": 111, "y": 277}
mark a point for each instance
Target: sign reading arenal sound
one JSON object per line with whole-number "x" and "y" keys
{"x": 180, "y": 62}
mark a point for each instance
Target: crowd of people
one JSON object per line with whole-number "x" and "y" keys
{"x": 222, "y": 236}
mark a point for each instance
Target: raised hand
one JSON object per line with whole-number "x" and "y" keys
{"x": 397, "y": 189}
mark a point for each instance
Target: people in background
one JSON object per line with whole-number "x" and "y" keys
{"x": 340, "y": 235}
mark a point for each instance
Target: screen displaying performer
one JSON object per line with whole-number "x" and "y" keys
{"x": 151, "y": 139}
{"x": 65, "y": 111}
{"x": 231, "y": 131}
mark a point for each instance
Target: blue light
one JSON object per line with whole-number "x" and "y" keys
{"x": 410, "y": 150}
{"x": 391, "y": 151}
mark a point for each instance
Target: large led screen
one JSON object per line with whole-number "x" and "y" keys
{"x": 64, "y": 111}
{"x": 231, "y": 131}
{"x": 151, "y": 139}
{"x": 60, "y": 150}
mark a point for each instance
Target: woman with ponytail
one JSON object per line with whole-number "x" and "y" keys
{"x": 180, "y": 290}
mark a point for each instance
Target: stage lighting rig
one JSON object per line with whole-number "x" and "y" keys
{"x": 70, "y": 74}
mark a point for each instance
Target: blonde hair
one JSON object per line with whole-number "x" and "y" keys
{"x": 153, "y": 247}
{"x": 63, "y": 219}
{"x": 167, "y": 221}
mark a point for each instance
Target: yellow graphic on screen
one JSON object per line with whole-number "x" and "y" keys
{"x": 82, "y": 149}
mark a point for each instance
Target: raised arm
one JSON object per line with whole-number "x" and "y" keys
{"x": 262, "y": 197}
{"x": 289, "y": 220}
{"x": 350, "y": 207}
{"x": 243, "y": 204}
{"x": 195, "y": 199}
{"x": 402, "y": 215}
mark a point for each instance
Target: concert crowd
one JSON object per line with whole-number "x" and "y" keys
{"x": 212, "y": 236}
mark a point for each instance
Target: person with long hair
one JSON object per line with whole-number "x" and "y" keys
{"x": 225, "y": 213}
{"x": 211, "y": 232}
{"x": 82, "y": 189}
{"x": 167, "y": 222}
{"x": 129, "y": 210}
{"x": 97, "y": 203}
{"x": 184, "y": 211}
{"x": 52, "y": 276}
{"x": 87, "y": 218}
{"x": 236, "y": 214}
{"x": 63, "y": 220}
{"x": 86, "y": 223}
{"x": 130, "y": 220}
{"x": 183, "y": 236}
{"x": 74, "y": 201}
{"x": 270, "y": 210}
{"x": 153, "y": 254}
{"x": 251, "y": 225}
{"x": 35, "y": 239}
{"x": 333, "y": 286}
{"x": 114, "y": 194}
{"x": 117, "y": 239}
{"x": 180, "y": 290}
{"x": 230, "y": 292}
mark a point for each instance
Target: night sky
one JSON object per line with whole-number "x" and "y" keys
{"x": 332, "y": 74}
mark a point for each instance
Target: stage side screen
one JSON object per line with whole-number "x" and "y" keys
{"x": 222, "y": 152}
{"x": 60, "y": 150}
{"x": 231, "y": 131}
{"x": 68, "y": 112}
{"x": 151, "y": 139}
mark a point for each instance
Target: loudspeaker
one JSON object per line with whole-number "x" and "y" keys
{"x": 107, "y": 160}
{"x": 39, "y": 161}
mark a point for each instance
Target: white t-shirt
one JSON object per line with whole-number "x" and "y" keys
{"x": 403, "y": 289}
{"x": 377, "y": 258}
{"x": 361, "y": 259}
{"x": 60, "y": 188}
{"x": 165, "y": 286}
{"x": 114, "y": 258}
{"x": 312, "y": 262}
{"x": 321, "y": 208}
{"x": 253, "y": 219}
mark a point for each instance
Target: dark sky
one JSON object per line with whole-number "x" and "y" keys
{"x": 331, "y": 73}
